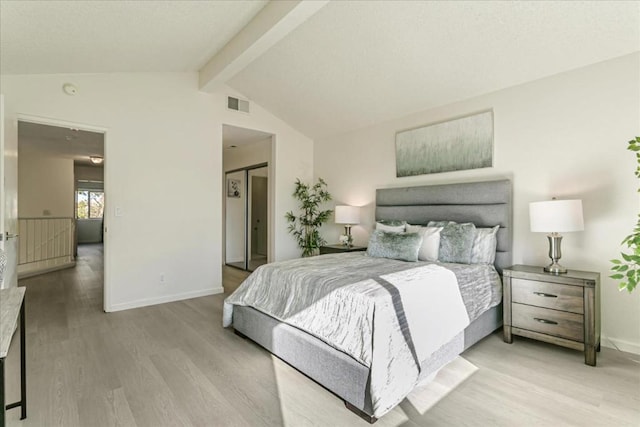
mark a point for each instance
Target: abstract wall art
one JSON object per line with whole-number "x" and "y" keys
{"x": 453, "y": 145}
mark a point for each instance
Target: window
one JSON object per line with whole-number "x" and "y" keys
{"x": 89, "y": 204}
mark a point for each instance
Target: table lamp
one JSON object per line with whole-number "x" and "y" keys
{"x": 555, "y": 217}
{"x": 347, "y": 215}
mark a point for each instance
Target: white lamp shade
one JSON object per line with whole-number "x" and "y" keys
{"x": 347, "y": 215}
{"x": 556, "y": 216}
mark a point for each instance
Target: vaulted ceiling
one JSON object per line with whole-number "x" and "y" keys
{"x": 86, "y": 36}
{"x": 324, "y": 67}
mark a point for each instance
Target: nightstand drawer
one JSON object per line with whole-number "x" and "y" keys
{"x": 550, "y": 322}
{"x": 549, "y": 295}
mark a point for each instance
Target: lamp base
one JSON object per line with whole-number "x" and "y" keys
{"x": 347, "y": 232}
{"x": 555, "y": 254}
{"x": 555, "y": 268}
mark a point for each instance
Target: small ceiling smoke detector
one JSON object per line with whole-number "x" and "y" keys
{"x": 69, "y": 89}
{"x": 96, "y": 160}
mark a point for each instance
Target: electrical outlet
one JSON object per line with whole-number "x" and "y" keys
{"x": 162, "y": 278}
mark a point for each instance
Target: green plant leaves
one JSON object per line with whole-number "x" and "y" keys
{"x": 628, "y": 270}
{"x": 304, "y": 227}
{"x": 620, "y": 268}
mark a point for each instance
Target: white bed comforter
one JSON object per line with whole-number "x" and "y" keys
{"x": 390, "y": 320}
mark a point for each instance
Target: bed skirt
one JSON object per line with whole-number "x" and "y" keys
{"x": 335, "y": 370}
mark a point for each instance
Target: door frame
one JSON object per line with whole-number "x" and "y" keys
{"x": 107, "y": 174}
{"x": 10, "y": 277}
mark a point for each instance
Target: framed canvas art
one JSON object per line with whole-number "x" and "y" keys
{"x": 233, "y": 188}
{"x": 459, "y": 144}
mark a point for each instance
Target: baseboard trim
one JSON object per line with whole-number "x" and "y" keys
{"x": 629, "y": 347}
{"x": 26, "y": 274}
{"x": 163, "y": 299}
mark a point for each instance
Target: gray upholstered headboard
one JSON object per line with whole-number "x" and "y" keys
{"x": 485, "y": 204}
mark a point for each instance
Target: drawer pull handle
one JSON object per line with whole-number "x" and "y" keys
{"x": 542, "y": 294}
{"x": 545, "y": 321}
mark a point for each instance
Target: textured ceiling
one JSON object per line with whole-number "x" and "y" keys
{"x": 116, "y": 36}
{"x": 60, "y": 142}
{"x": 351, "y": 64}
{"x": 357, "y": 63}
{"x": 233, "y": 135}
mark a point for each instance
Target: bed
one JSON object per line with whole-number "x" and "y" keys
{"x": 485, "y": 204}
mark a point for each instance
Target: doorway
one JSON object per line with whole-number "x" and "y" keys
{"x": 247, "y": 217}
{"x": 61, "y": 197}
{"x": 247, "y": 197}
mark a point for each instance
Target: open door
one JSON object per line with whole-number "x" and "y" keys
{"x": 8, "y": 201}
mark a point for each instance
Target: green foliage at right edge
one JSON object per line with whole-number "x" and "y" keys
{"x": 627, "y": 270}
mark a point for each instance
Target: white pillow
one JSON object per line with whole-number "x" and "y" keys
{"x": 391, "y": 226}
{"x": 430, "y": 241}
{"x": 484, "y": 245}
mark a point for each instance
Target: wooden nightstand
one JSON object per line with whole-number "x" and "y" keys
{"x": 334, "y": 249}
{"x": 562, "y": 309}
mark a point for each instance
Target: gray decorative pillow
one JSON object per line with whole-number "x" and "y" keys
{"x": 391, "y": 225}
{"x": 439, "y": 223}
{"x": 401, "y": 246}
{"x": 456, "y": 241}
{"x": 484, "y": 245}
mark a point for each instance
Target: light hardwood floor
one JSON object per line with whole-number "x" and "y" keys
{"x": 174, "y": 365}
{"x": 232, "y": 278}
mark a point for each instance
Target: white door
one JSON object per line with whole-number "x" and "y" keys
{"x": 9, "y": 198}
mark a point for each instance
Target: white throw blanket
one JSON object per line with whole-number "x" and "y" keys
{"x": 389, "y": 322}
{"x": 434, "y": 313}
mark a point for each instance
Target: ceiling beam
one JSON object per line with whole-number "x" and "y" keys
{"x": 269, "y": 26}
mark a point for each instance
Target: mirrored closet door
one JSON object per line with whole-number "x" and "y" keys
{"x": 247, "y": 217}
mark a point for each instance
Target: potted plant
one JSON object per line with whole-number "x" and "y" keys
{"x": 627, "y": 270}
{"x": 304, "y": 226}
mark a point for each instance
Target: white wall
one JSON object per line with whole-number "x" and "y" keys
{"x": 45, "y": 183}
{"x": 563, "y": 136}
{"x": 89, "y": 230}
{"x": 89, "y": 173}
{"x": 247, "y": 155}
{"x": 164, "y": 170}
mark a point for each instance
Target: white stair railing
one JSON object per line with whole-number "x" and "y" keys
{"x": 45, "y": 239}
